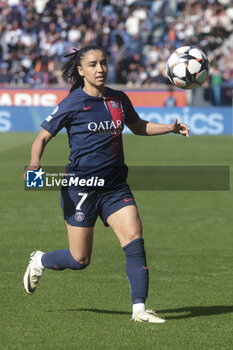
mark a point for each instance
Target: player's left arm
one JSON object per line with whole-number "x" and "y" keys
{"x": 146, "y": 128}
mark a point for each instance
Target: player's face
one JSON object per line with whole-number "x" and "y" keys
{"x": 94, "y": 69}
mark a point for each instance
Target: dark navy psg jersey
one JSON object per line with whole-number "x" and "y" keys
{"x": 94, "y": 126}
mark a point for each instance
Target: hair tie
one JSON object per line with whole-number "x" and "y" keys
{"x": 76, "y": 51}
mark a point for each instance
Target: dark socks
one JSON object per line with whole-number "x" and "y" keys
{"x": 137, "y": 270}
{"x": 60, "y": 260}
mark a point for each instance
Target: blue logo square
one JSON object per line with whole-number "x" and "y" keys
{"x": 35, "y": 178}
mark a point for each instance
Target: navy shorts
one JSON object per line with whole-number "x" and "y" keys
{"x": 81, "y": 206}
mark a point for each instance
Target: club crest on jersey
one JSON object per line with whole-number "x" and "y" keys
{"x": 114, "y": 104}
{"x": 79, "y": 216}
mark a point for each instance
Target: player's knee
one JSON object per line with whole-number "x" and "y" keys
{"x": 132, "y": 236}
{"x": 135, "y": 232}
{"x": 79, "y": 261}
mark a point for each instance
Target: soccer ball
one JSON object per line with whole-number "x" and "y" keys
{"x": 187, "y": 67}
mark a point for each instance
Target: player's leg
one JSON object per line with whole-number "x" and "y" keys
{"x": 77, "y": 257}
{"x": 80, "y": 243}
{"x": 119, "y": 211}
{"x": 80, "y": 225}
{"x": 127, "y": 226}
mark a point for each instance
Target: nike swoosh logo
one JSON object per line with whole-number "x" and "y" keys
{"x": 86, "y": 108}
{"x": 145, "y": 267}
{"x": 127, "y": 200}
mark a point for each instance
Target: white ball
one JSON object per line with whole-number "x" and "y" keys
{"x": 187, "y": 67}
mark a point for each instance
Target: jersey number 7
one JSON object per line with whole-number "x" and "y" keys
{"x": 84, "y": 196}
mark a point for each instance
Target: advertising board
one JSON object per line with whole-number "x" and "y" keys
{"x": 202, "y": 121}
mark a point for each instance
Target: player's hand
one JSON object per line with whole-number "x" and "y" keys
{"x": 31, "y": 167}
{"x": 180, "y": 128}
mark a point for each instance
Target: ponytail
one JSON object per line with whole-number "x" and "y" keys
{"x": 69, "y": 68}
{"x": 70, "y": 72}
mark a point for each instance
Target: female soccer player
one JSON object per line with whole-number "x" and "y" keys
{"x": 94, "y": 116}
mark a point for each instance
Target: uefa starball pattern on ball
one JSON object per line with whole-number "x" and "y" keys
{"x": 187, "y": 67}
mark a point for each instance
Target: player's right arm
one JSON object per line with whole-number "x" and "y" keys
{"x": 37, "y": 149}
{"x": 58, "y": 119}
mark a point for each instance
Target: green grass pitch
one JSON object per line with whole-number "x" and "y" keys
{"x": 188, "y": 239}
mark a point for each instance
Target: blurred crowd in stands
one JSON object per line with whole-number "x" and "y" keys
{"x": 138, "y": 37}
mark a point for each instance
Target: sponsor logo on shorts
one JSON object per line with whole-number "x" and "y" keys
{"x": 79, "y": 216}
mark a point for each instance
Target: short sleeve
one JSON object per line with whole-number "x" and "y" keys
{"x": 57, "y": 120}
{"x": 131, "y": 115}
